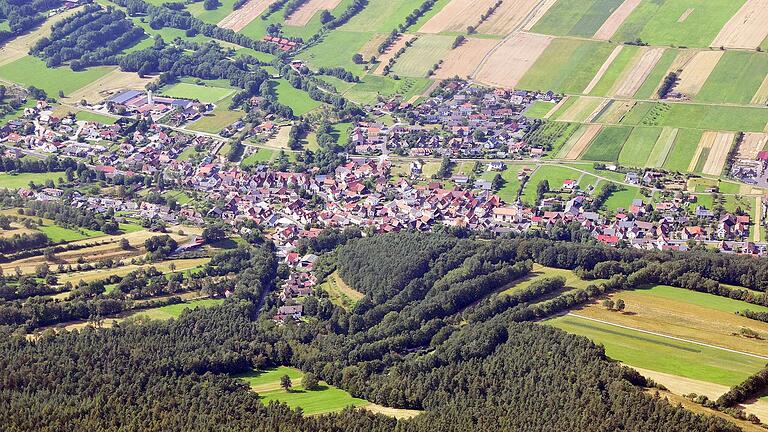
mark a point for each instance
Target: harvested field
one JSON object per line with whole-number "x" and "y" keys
{"x": 599, "y": 110}
{"x": 616, "y": 19}
{"x": 630, "y": 83}
{"x": 581, "y": 109}
{"x": 685, "y": 15}
{"x": 301, "y": 17}
{"x": 747, "y": 29}
{"x": 662, "y": 147}
{"x": 717, "y": 144}
{"x": 109, "y": 85}
{"x": 20, "y": 46}
{"x": 508, "y": 62}
{"x": 616, "y": 112}
{"x": 456, "y": 16}
{"x": 761, "y": 97}
{"x": 539, "y": 13}
{"x": 238, "y": 19}
{"x": 583, "y": 142}
{"x": 600, "y": 72}
{"x": 696, "y": 72}
{"x": 463, "y": 60}
{"x": 425, "y": 52}
{"x": 390, "y": 52}
{"x": 507, "y": 17}
{"x": 753, "y": 143}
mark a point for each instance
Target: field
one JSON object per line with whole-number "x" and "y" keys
{"x": 576, "y": 17}
{"x": 507, "y": 17}
{"x": 642, "y": 67}
{"x": 567, "y": 65}
{"x": 580, "y": 141}
{"x": 580, "y": 109}
{"x": 540, "y": 272}
{"x": 203, "y": 93}
{"x": 662, "y": 148}
{"x": 175, "y": 310}
{"x": 607, "y": 144}
{"x": 367, "y": 91}
{"x": 456, "y": 16}
{"x": 698, "y": 116}
{"x": 391, "y": 51}
{"x": 305, "y": 12}
{"x": 16, "y": 181}
{"x": 696, "y": 72}
{"x": 220, "y": 118}
{"x": 539, "y": 109}
{"x": 336, "y": 50}
{"x": 609, "y": 64}
{"x": 747, "y": 28}
{"x": 339, "y": 292}
{"x": 31, "y": 71}
{"x": 736, "y": 79}
{"x": 19, "y": 47}
{"x": 384, "y": 16}
{"x": 463, "y": 60}
{"x": 108, "y": 85}
{"x": 260, "y": 156}
{"x": 554, "y": 174}
{"x": 752, "y": 144}
{"x": 508, "y": 63}
{"x": 298, "y": 100}
{"x": 639, "y": 146}
{"x": 649, "y": 87}
{"x": 237, "y": 20}
{"x": 693, "y": 23}
{"x": 609, "y": 27}
{"x": 679, "y": 157}
{"x": 711, "y": 152}
{"x": 424, "y": 53}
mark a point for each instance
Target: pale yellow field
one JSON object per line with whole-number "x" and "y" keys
{"x": 237, "y": 20}
{"x": 463, "y": 60}
{"x": 616, "y": 19}
{"x": 631, "y": 81}
{"x": 747, "y": 29}
{"x": 538, "y": 13}
{"x": 583, "y": 142}
{"x": 456, "y": 16}
{"x": 507, "y": 17}
{"x": 696, "y": 72}
{"x": 718, "y": 152}
{"x": 761, "y": 96}
{"x": 301, "y": 17}
{"x": 20, "y": 46}
{"x": 600, "y": 72}
{"x": 752, "y": 143}
{"x": 582, "y": 109}
{"x": 391, "y": 51}
{"x": 509, "y": 61}
{"x": 108, "y": 85}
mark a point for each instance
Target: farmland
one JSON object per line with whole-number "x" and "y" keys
{"x": 576, "y": 17}
{"x": 32, "y": 71}
{"x": 608, "y": 144}
{"x": 419, "y": 58}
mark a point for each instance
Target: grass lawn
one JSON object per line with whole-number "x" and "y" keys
{"x": 220, "y": 118}
{"x": 736, "y": 78}
{"x": 639, "y": 146}
{"x": 175, "y": 310}
{"x": 193, "y": 91}
{"x": 664, "y": 354}
{"x": 538, "y": 109}
{"x": 298, "y": 100}
{"x": 576, "y": 17}
{"x": 31, "y": 71}
{"x": 553, "y": 174}
{"x": 425, "y": 52}
{"x": 620, "y": 63}
{"x": 59, "y": 234}
{"x": 16, "y": 181}
{"x": 262, "y": 155}
{"x": 567, "y": 65}
{"x": 336, "y": 50}
{"x": 607, "y": 144}
{"x": 211, "y": 16}
{"x": 367, "y": 91}
{"x": 623, "y": 198}
{"x": 95, "y": 117}
{"x": 648, "y": 89}
{"x": 341, "y": 132}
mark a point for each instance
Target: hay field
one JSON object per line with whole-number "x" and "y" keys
{"x": 422, "y": 55}
{"x": 304, "y": 14}
{"x": 238, "y": 19}
{"x": 615, "y": 112}
{"x": 639, "y": 145}
{"x": 662, "y": 147}
{"x": 715, "y": 145}
{"x": 456, "y": 16}
{"x": 747, "y": 29}
{"x": 463, "y": 60}
{"x": 109, "y": 85}
{"x": 638, "y": 73}
{"x": 612, "y": 24}
{"x": 600, "y": 72}
{"x": 581, "y": 144}
{"x": 580, "y": 110}
{"x": 581, "y": 18}
{"x": 538, "y": 13}
{"x": 509, "y": 62}
{"x": 736, "y": 79}
{"x": 696, "y": 72}
{"x": 508, "y": 17}
{"x": 761, "y": 96}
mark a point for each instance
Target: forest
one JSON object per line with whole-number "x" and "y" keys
{"x": 427, "y": 335}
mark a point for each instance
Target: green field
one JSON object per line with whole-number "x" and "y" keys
{"x": 663, "y": 22}
{"x": 711, "y": 301}
{"x": 662, "y": 148}
{"x": 607, "y": 144}
{"x": 648, "y": 89}
{"x": 620, "y": 63}
{"x": 384, "y": 16}
{"x": 175, "y": 310}
{"x": 663, "y": 354}
{"x": 622, "y": 199}
{"x": 716, "y": 117}
{"x": 567, "y": 65}
{"x": 639, "y": 146}
{"x": 425, "y": 52}
{"x": 555, "y": 175}
{"x": 336, "y": 50}
{"x": 211, "y": 16}
{"x": 196, "y": 92}
{"x": 257, "y": 28}
{"x": 16, "y": 181}
{"x": 95, "y": 117}
{"x": 736, "y": 78}
{"x": 31, "y": 71}
{"x": 59, "y": 234}
{"x": 576, "y": 17}
{"x": 372, "y": 86}
{"x": 261, "y": 156}
{"x": 298, "y": 100}
{"x": 325, "y": 399}
{"x": 220, "y": 118}
{"x": 538, "y": 109}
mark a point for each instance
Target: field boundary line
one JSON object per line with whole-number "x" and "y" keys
{"x": 667, "y": 336}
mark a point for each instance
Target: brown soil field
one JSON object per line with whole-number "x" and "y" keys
{"x": 718, "y": 153}
{"x": 583, "y": 141}
{"x": 108, "y": 85}
{"x": 696, "y": 72}
{"x": 538, "y": 13}
{"x": 237, "y": 20}
{"x": 398, "y": 413}
{"x": 761, "y": 96}
{"x": 600, "y": 72}
{"x": 747, "y": 29}
{"x": 681, "y": 386}
{"x": 509, "y": 61}
{"x": 20, "y": 46}
{"x": 633, "y": 79}
{"x": 507, "y": 17}
{"x": 301, "y": 17}
{"x": 616, "y": 19}
{"x": 383, "y": 59}
{"x": 681, "y": 319}
{"x": 463, "y": 60}
{"x": 685, "y": 15}
{"x": 456, "y": 16}
{"x": 753, "y": 143}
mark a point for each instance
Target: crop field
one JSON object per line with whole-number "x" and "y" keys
{"x": 509, "y": 62}
{"x": 761, "y": 96}
{"x": 640, "y": 67}
{"x": 662, "y": 148}
{"x": 699, "y": 116}
{"x": 22, "y": 180}
{"x": 693, "y": 23}
{"x": 101, "y": 274}
{"x": 383, "y": 17}
{"x": 507, "y": 17}
{"x": 579, "y": 142}
{"x": 567, "y": 65}
{"x": 238, "y": 19}
{"x": 303, "y": 15}
{"x": 746, "y": 29}
{"x": 615, "y": 111}
{"x": 19, "y": 47}
{"x": 463, "y": 60}
{"x": 576, "y": 17}
{"x": 456, "y": 16}
{"x": 108, "y": 85}
{"x": 607, "y": 144}
{"x": 639, "y": 146}
{"x": 581, "y": 109}
{"x": 696, "y": 72}
{"x": 424, "y": 53}
{"x": 612, "y": 24}
{"x": 685, "y": 144}
{"x": 650, "y": 84}
{"x": 202, "y": 93}
{"x": 31, "y": 71}
{"x": 736, "y": 78}
{"x": 612, "y": 70}
{"x": 257, "y": 28}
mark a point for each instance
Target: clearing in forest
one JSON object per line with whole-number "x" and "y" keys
{"x": 747, "y": 28}
{"x": 463, "y": 60}
{"x": 696, "y": 72}
{"x": 305, "y": 12}
{"x": 614, "y": 21}
{"x": 507, "y": 64}
{"x": 238, "y": 19}
{"x": 456, "y": 16}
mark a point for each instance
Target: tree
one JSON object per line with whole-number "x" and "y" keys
{"x": 211, "y": 4}
{"x": 608, "y": 304}
{"x": 619, "y": 305}
{"x": 285, "y": 382}
{"x": 214, "y": 233}
{"x": 326, "y": 17}
{"x": 125, "y": 244}
{"x": 498, "y": 182}
{"x": 357, "y": 58}
{"x": 310, "y": 381}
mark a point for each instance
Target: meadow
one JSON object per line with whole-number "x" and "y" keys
{"x": 261, "y": 155}
{"x": 567, "y": 65}
{"x": 576, "y": 17}
{"x": 336, "y": 50}
{"x": 298, "y": 100}
{"x": 555, "y": 175}
{"x": 422, "y": 55}
{"x": 638, "y": 146}
{"x": 648, "y": 89}
{"x": 22, "y": 180}
{"x": 203, "y": 93}
{"x": 607, "y": 144}
{"x": 622, "y": 199}
{"x": 257, "y": 28}
{"x": 339, "y": 292}
{"x": 31, "y": 71}
{"x": 372, "y": 86}
{"x": 175, "y": 310}
{"x": 615, "y": 70}
{"x": 220, "y": 118}
{"x": 384, "y": 16}
{"x": 540, "y": 272}
{"x": 736, "y": 78}
{"x": 539, "y": 109}
{"x": 95, "y": 117}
